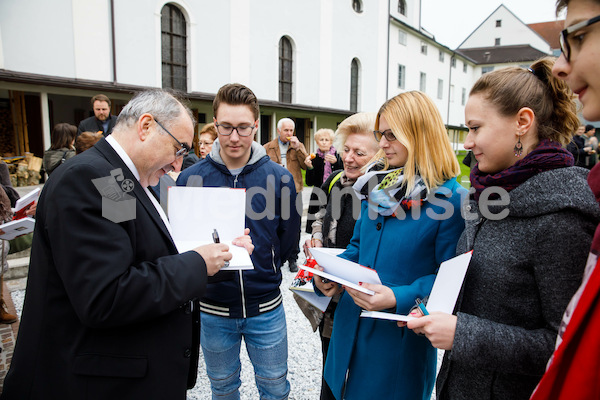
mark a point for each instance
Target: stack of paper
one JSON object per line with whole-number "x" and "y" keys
{"x": 342, "y": 271}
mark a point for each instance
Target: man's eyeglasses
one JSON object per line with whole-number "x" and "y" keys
{"x": 242, "y": 130}
{"x": 389, "y": 135}
{"x": 185, "y": 149}
{"x": 565, "y": 44}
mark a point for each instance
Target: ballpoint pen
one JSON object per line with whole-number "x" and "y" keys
{"x": 422, "y": 307}
{"x": 216, "y": 239}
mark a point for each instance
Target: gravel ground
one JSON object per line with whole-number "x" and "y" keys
{"x": 304, "y": 360}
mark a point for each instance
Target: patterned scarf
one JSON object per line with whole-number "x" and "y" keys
{"x": 388, "y": 192}
{"x": 327, "y": 170}
{"x": 547, "y": 156}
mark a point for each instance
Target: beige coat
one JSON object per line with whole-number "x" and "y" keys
{"x": 295, "y": 160}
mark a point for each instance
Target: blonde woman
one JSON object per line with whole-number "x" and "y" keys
{"x": 325, "y": 161}
{"x": 404, "y": 234}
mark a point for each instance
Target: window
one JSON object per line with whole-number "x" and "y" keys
{"x": 453, "y": 62}
{"x": 498, "y": 23}
{"x": 463, "y": 97}
{"x": 497, "y": 42}
{"x": 465, "y": 67}
{"x": 285, "y": 70}
{"x": 422, "y": 82}
{"x": 357, "y": 6}
{"x": 423, "y": 48}
{"x": 402, "y": 7}
{"x": 401, "y": 76}
{"x": 354, "y": 75}
{"x": 440, "y": 93}
{"x": 402, "y": 37}
{"x": 173, "y": 29}
{"x": 485, "y": 70}
{"x": 441, "y": 57}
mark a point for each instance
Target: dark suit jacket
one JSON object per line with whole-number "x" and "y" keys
{"x": 93, "y": 124}
{"x": 107, "y": 313}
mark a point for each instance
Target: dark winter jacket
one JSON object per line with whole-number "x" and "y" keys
{"x": 243, "y": 294}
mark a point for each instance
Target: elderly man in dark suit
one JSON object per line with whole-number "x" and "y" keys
{"x": 111, "y": 310}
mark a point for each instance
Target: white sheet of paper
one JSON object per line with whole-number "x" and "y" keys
{"x": 343, "y": 271}
{"x": 19, "y": 227}
{"x": 194, "y": 212}
{"x": 444, "y": 293}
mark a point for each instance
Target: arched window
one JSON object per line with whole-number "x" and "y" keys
{"x": 402, "y": 7}
{"x": 354, "y": 75}
{"x": 174, "y": 48}
{"x": 357, "y": 6}
{"x": 286, "y": 63}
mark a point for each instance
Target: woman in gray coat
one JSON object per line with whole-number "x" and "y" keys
{"x": 529, "y": 248}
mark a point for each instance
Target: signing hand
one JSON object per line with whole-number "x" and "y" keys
{"x": 382, "y": 299}
{"x": 244, "y": 241}
{"x": 214, "y": 255}
{"x": 438, "y": 327}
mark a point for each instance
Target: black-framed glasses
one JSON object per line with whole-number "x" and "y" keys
{"x": 565, "y": 45}
{"x": 388, "y": 134}
{"x": 242, "y": 130}
{"x": 184, "y": 150}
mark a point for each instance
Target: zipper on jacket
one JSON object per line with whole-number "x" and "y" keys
{"x": 273, "y": 259}
{"x": 244, "y": 313}
{"x": 235, "y": 180}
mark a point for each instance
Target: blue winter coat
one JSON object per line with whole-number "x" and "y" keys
{"x": 383, "y": 360}
{"x": 243, "y": 294}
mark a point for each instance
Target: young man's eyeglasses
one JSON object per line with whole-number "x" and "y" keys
{"x": 565, "y": 44}
{"x": 389, "y": 135}
{"x": 185, "y": 149}
{"x": 242, "y": 130}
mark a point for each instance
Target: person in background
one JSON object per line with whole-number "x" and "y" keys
{"x": 61, "y": 148}
{"x": 577, "y": 147}
{"x": 8, "y": 199}
{"x": 591, "y": 141}
{"x": 86, "y": 140}
{"x": 325, "y": 161}
{"x": 288, "y": 151}
{"x": 529, "y": 246}
{"x": 247, "y": 304}
{"x": 206, "y": 138}
{"x": 572, "y": 372}
{"x": 102, "y": 121}
{"x": 334, "y": 222}
{"x": 409, "y": 224}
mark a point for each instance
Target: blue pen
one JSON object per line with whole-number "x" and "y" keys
{"x": 422, "y": 307}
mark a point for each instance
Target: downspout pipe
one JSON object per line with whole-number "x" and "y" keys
{"x": 113, "y": 39}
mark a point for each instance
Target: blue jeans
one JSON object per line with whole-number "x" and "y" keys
{"x": 266, "y": 342}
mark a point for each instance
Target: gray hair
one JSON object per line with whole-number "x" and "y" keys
{"x": 162, "y": 104}
{"x": 282, "y": 120}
